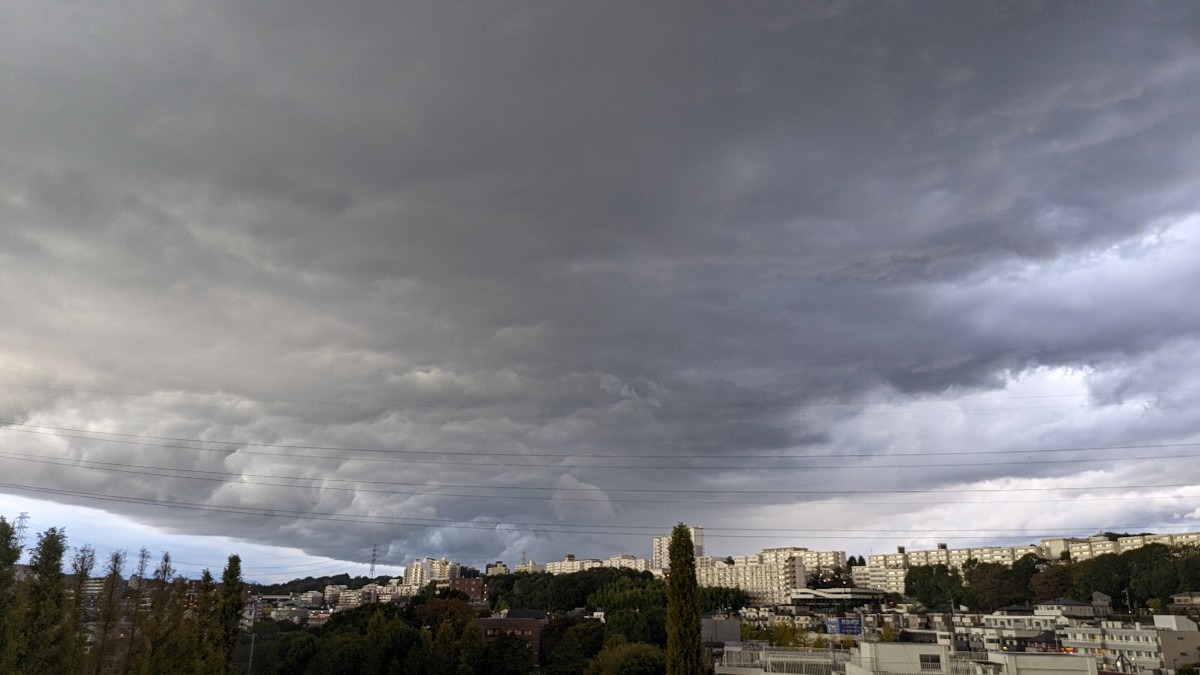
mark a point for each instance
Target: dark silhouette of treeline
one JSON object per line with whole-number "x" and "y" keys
{"x": 317, "y": 584}
{"x": 55, "y": 621}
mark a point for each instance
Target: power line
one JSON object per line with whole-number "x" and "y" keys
{"x": 565, "y": 528}
{"x": 393, "y": 404}
{"x": 358, "y": 485}
{"x": 66, "y": 432}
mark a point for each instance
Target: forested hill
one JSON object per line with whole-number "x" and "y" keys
{"x": 316, "y": 584}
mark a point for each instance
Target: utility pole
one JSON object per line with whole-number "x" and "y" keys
{"x": 374, "y": 559}
{"x": 253, "y": 635}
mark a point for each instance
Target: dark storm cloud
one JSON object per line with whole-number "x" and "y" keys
{"x": 714, "y": 234}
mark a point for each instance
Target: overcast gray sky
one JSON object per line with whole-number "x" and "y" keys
{"x": 493, "y": 280}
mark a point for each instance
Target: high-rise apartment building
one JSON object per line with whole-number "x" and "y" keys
{"x": 661, "y": 557}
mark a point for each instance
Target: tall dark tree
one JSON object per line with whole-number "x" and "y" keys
{"x": 1152, "y": 573}
{"x": 992, "y": 586}
{"x": 107, "y": 630}
{"x": 685, "y": 651}
{"x": 48, "y": 637}
{"x": 10, "y": 553}
{"x": 165, "y": 634}
{"x": 508, "y": 655}
{"x": 135, "y": 643}
{"x": 1052, "y": 582}
{"x": 936, "y": 586}
{"x": 1026, "y": 567}
{"x": 1105, "y": 573}
{"x": 200, "y": 629}
{"x": 229, "y": 610}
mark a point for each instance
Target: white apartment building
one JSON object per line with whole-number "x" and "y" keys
{"x": 1136, "y": 647}
{"x": 423, "y": 571}
{"x": 332, "y": 593}
{"x": 879, "y": 572}
{"x": 768, "y": 577}
{"x": 530, "y": 567}
{"x": 886, "y": 571}
{"x": 627, "y": 561}
{"x": 571, "y": 564}
{"x": 1091, "y": 547}
{"x": 886, "y": 579}
{"x": 661, "y": 556}
{"x": 814, "y": 561}
{"x": 348, "y": 599}
{"x": 900, "y": 658}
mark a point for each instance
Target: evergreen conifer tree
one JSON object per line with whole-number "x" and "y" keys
{"x": 47, "y": 636}
{"x": 685, "y": 651}
{"x": 229, "y": 610}
{"x": 10, "y": 553}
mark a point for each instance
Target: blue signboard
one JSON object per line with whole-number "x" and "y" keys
{"x": 843, "y": 626}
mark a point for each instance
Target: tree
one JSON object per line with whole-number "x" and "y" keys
{"x": 1052, "y": 582}
{"x": 1105, "y": 573}
{"x": 82, "y": 564}
{"x": 830, "y": 577}
{"x": 992, "y": 585}
{"x": 936, "y": 586}
{"x": 48, "y": 634}
{"x": 722, "y": 598}
{"x": 10, "y": 553}
{"x": 685, "y": 651}
{"x": 1152, "y": 573}
{"x": 1026, "y": 567}
{"x": 508, "y": 655}
{"x": 630, "y": 659}
{"x": 569, "y": 654}
{"x": 135, "y": 644}
{"x": 229, "y": 611}
{"x": 107, "y": 631}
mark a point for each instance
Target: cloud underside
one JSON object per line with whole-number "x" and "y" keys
{"x": 530, "y": 280}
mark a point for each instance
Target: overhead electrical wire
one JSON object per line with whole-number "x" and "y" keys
{"x": 239, "y": 447}
{"x": 510, "y": 526}
{"x": 394, "y": 404}
{"x": 359, "y": 485}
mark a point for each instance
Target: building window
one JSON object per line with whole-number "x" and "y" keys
{"x": 931, "y": 662}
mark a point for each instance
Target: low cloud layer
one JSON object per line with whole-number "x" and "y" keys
{"x": 533, "y": 279}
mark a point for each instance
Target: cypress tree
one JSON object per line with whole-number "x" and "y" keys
{"x": 10, "y": 553}
{"x": 48, "y": 639}
{"x": 229, "y": 610}
{"x": 685, "y": 651}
